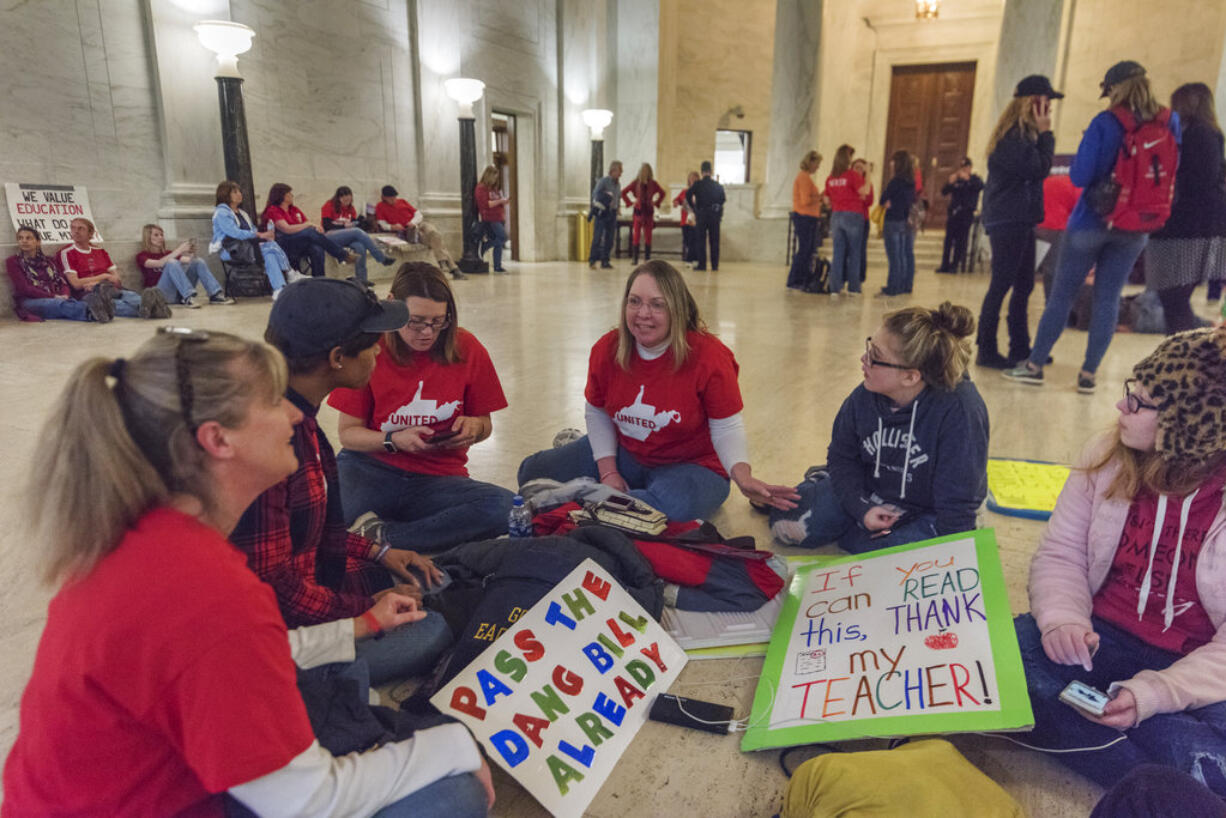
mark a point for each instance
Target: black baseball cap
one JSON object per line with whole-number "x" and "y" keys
{"x": 388, "y": 190}
{"x": 1037, "y": 85}
{"x": 1123, "y": 70}
{"x": 313, "y": 315}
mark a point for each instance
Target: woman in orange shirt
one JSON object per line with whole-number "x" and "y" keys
{"x": 647, "y": 197}
{"x": 806, "y": 210}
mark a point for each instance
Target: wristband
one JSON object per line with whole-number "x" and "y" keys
{"x": 608, "y": 473}
{"x": 383, "y": 549}
{"x": 376, "y": 630}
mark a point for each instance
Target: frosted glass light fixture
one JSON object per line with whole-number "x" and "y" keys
{"x": 597, "y": 119}
{"x": 227, "y": 40}
{"x": 465, "y": 92}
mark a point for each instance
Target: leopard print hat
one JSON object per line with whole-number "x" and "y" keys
{"x": 1186, "y": 376}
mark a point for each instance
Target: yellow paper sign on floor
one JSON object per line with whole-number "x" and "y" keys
{"x": 1024, "y": 488}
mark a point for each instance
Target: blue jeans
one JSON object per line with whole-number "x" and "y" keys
{"x": 1193, "y": 741}
{"x": 683, "y": 491}
{"x": 495, "y": 237}
{"x": 457, "y": 796}
{"x": 604, "y": 229}
{"x": 1111, "y": 253}
{"x": 360, "y": 242}
{"x": 127, "y": 304}
{"x": 826, "y": 521}
{"x": 847, "y": 233}
{"x": 422, "y": 512}
{"x": 177, "y": 283}
{"x": 806, "y": 241}
{"x": 410, "y": 650}
{"x": 909, "y": 257}
{"x": 894, "y": 236}
{"x": 67, "y": 308}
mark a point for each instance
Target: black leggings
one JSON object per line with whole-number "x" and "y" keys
{"x": 312, "y": 244}
{"x": 1012, "y": 268}
{"x": 1177, "y": 308}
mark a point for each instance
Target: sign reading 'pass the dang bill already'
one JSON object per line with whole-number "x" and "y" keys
{"x": 910, "y": 640}
{"x": 560, "y": 694}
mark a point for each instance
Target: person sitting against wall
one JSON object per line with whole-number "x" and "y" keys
{"x": 164, "y": 682}
{"x": 1106, "y": 606}
{"x": 396, "y": 215}
{"x": 340, "y": 221}
{"x": 908, "y": 454}
{"x": 492, "y": 208}
{"x": 663, "y": 409}
{"x": 647, "y": 196}
{"x": 294, "y": 533}
{"x": 407, "y": 432}
{"x": 298, "y": 237}
{"x": 41, "y": 291}
{"x": 175, "y": 272}
{"x": 232, "y": 222}
{"x": 90, "y": 269}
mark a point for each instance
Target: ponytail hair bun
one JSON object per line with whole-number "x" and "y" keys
{"x": 935, "y": 341}
{"x": 954, "y": 319}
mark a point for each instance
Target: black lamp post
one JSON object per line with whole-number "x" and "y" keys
{"x": 227, "y": 40}
{"x": 465, "y": 92}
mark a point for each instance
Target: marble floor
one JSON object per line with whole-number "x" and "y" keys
{"x": 799, "y": 359}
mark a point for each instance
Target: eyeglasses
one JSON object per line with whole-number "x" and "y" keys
{"x": 1133, "y": 402}
{"x": 421, "y": 324}
{"x": 656, "y": 305}
{"x": 868, "y": 353}
{"x": 184, "y": 335}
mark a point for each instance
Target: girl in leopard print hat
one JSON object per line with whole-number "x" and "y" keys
{"x": 1128, "y": 586}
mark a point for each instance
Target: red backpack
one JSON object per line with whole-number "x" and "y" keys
{"x": 1144, "y": 173}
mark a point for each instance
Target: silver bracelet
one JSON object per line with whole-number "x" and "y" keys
{"x": 383, "y": 549}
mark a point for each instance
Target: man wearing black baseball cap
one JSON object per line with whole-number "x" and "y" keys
{"x": 294, "y": 534}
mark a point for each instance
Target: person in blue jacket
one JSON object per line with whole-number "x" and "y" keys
{"x": 603, "y": 216}
{"x": 1088, "y": 242}
{"x": 229, "y": 221}
{"x": 908, "y": 455}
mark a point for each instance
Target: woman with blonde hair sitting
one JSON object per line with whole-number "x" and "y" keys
{"x": 176, "y": 272}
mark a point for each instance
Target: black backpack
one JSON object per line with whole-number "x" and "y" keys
{"x": 817, "y": 280}
{"x": 246, "y": 280}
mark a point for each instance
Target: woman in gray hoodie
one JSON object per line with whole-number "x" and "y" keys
{"x": 908, "y": 455}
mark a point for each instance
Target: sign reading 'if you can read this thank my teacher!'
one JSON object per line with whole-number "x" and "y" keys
{"x": 904, "y": 641}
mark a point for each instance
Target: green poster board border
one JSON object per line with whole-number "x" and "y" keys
{"x": 1014, "y": 713}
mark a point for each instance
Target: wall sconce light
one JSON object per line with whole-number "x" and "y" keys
{"x": 927, "y": 9}
{"x": 597, "y": 119}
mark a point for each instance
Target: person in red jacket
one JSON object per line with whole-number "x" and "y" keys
{"x": 492, "y": 208}
{"x": 845, "y": 192}
{"x": 398, "y": 216}
{"x": 41, "y": 291}
{"x": 687, "y": 218}
{"x": 647, "y": 197}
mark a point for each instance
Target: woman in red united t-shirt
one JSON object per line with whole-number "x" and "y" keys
{"x": 647, "y": 195}
{"x": 340, "y": 220}
{"x": 297, "y": 236}
{"x": 845, "y": 192}
{"x": 165, "y": 680}
{"x": 663, "y": 409}
{"x": 1128, "y": 585}
{"x": 406, "y": 434}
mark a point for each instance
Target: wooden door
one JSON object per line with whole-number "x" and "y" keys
{"x": 504, "y": 159}
{"x": 930, "y": 116}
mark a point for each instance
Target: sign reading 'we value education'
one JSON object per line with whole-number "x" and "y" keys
{"x": 904, "y": 641}
{"x": 560, "y": 694}
{"x": 49, "y": 209}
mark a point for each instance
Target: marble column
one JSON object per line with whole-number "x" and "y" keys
{"x": 794, "y": 100}
{"x": 1030, "y": 43}
{"x": 635, "y": 125}
{"x": 187, "y": 113}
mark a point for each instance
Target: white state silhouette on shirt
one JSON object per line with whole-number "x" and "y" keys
{"x": 419, "y": 412}
{"x": 639, "y": 420}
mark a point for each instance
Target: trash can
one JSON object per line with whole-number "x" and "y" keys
{"x": 581, "y": 238}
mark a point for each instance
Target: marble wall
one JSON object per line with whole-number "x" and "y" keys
{"x": 638, "y": 50}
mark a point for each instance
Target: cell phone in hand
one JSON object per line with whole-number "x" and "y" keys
{"x": 442, "y": 437}
{"x": 1084, "y": 697}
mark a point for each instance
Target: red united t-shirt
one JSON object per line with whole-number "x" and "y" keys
{"x": 843, "y": 191}
{"x": 274, "y": 214}
{"x": 1116, "y": 601}
{"x": 162, "y": 679}
{"x": 397, "y": 215}
{"x": 346, "y": 213}
{"x": 95, "y": 262}
{"x": 661, "y": 414}
{"x": 426, "y": 393}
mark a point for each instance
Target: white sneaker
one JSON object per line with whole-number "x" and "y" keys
{"x": 292, "y": 275}
{"x": 276, "y": 293}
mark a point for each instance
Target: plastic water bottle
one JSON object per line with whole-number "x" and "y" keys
{"x": 519, "y": 521}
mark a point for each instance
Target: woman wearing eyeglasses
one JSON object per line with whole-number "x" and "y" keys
{"x": 406, "y": 434}
{"x": 908, "y": 454}
{"x": 164, "y": 682}
{"x": 1107, "y": 607}
{"x": 663, "y": 409}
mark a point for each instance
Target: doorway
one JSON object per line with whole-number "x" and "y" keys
{"x": 930, "y": 116}
{"x": 503, "y": 141}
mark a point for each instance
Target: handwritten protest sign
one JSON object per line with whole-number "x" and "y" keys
{"x": 49, "y": 209}
{"x": 558, "y": 697}
{"x": 903, "y": 641}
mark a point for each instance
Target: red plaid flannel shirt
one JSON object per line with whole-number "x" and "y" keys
{"x": 295, "y": 539}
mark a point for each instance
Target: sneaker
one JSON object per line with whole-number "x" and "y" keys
{"x": 100, "y": 309}
{"x": 189, "y": 302}
{"x": 369, "y": 526}
{"x": 292, "y": 275}
{"x": 604, "y": 265}
{"x": 815, "y": 474}
{"x": 456, "y": 275}
{"x": 220, "y": 298}
{"x": 153, "y": 304}
{"x": 884, "y": 293}
{"x": 388, "y": 261}
{"x": 276, "y": 293}
{"x": 502, "y": 270}
{"x": 994, "y": 360}
{"x": 566, "y": 436}
{"x": 1085, "y": 384}
{"x": 1022, "y": 373}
